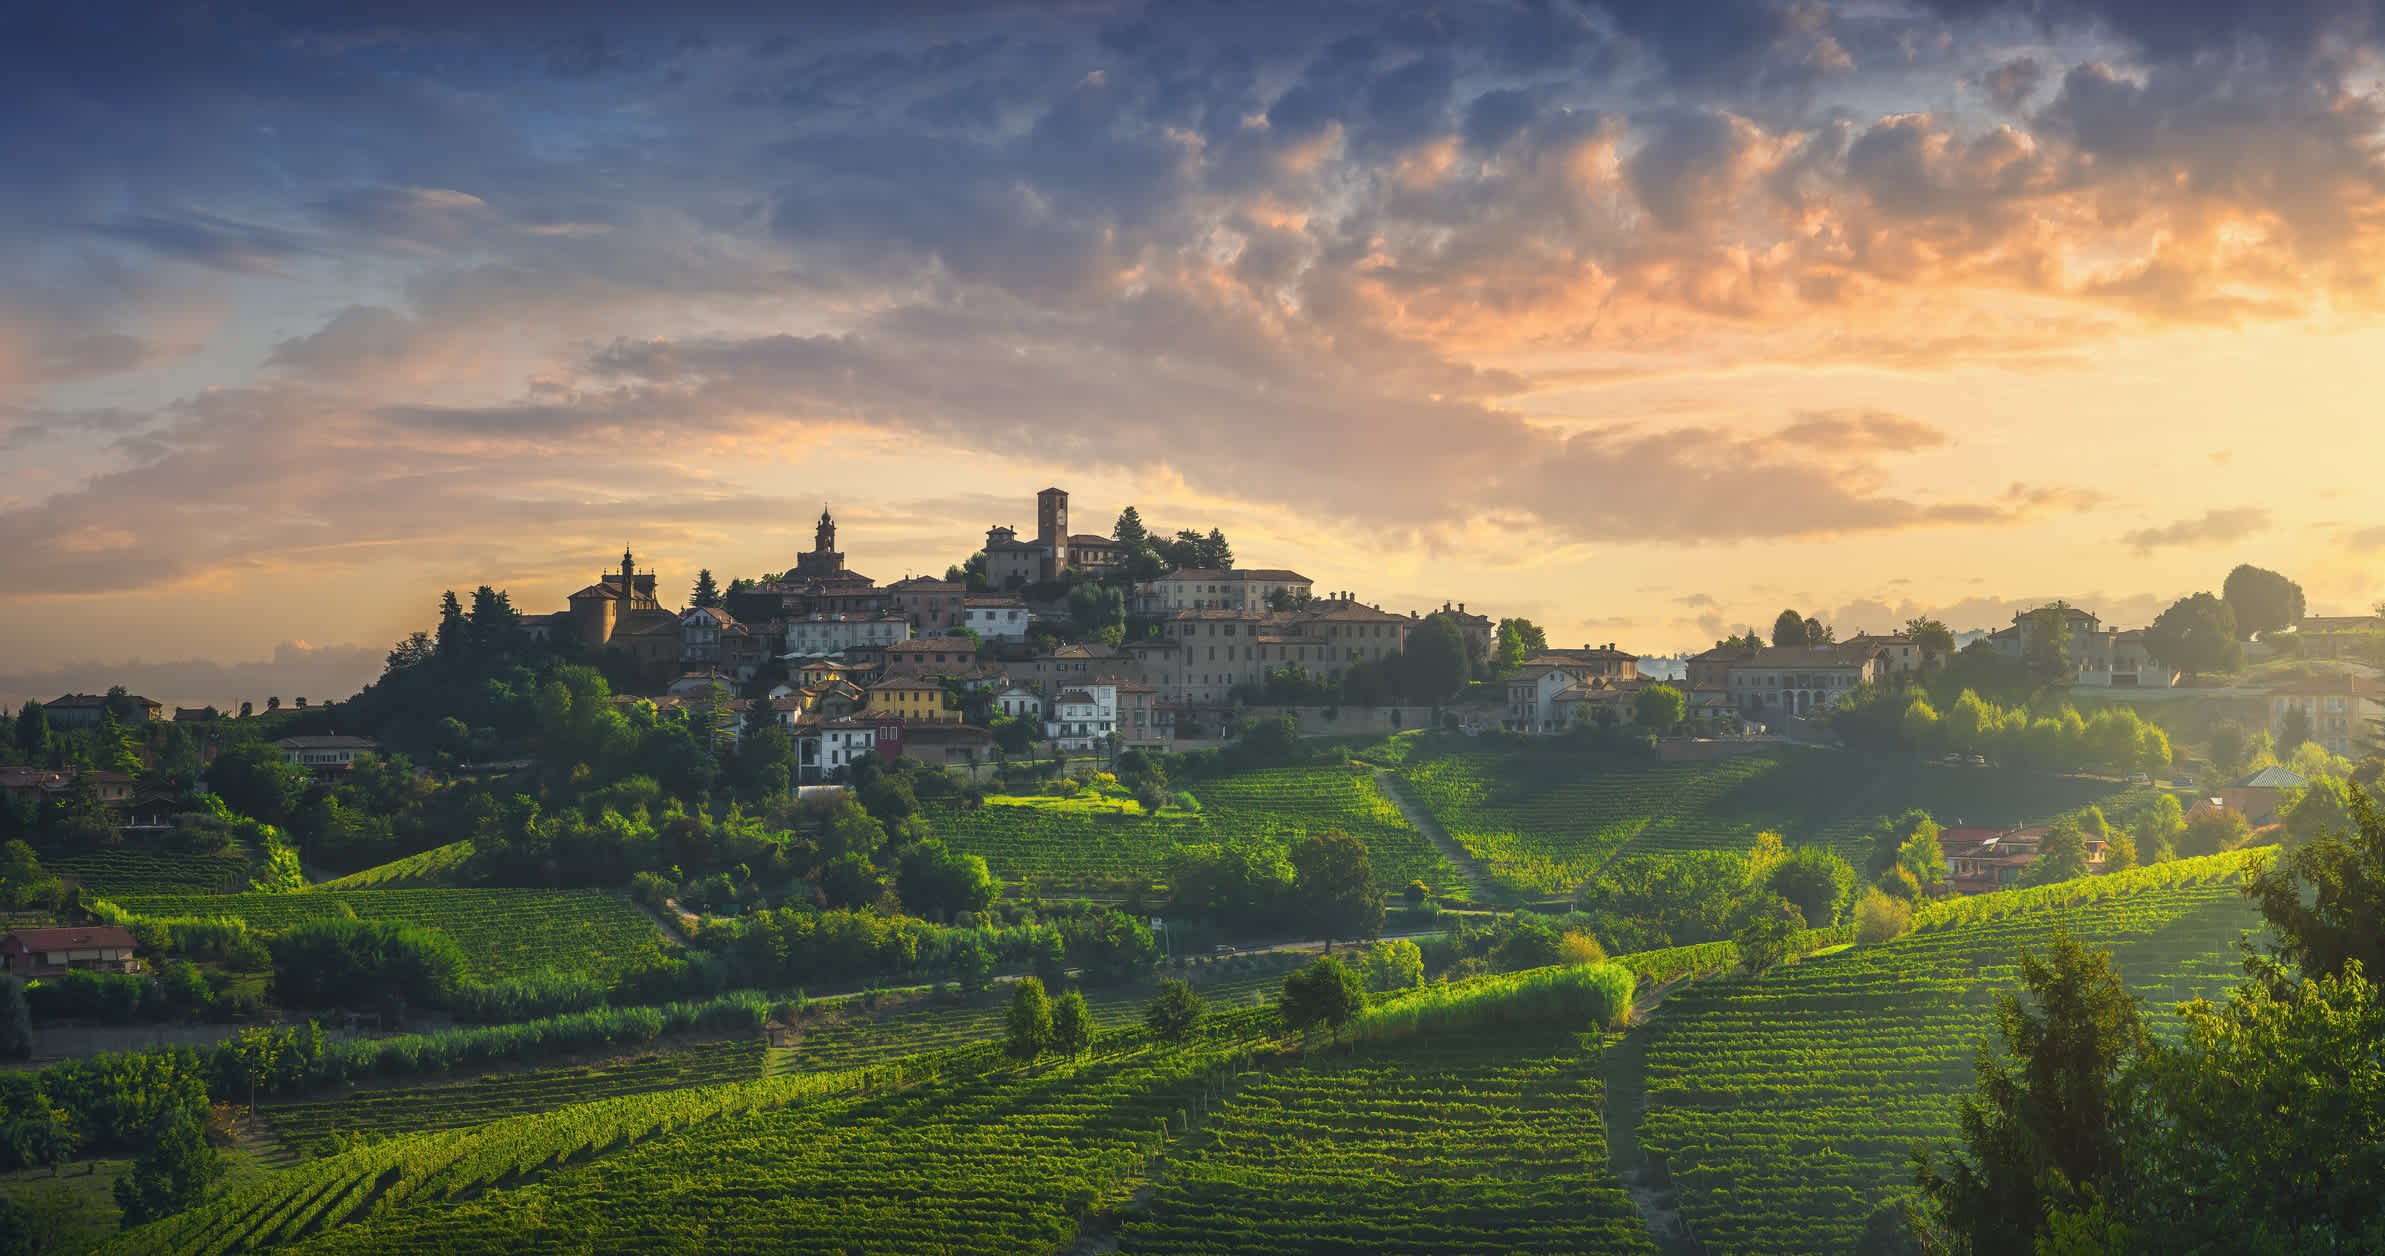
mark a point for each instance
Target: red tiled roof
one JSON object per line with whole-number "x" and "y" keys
{"x": 85, "y": 938}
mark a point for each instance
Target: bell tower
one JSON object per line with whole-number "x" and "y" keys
{"x": 1051, "y": 530}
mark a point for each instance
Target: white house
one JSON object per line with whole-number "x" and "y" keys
{"x": 1795, "y": 680}
{"x": 825, "y": 750}
{"x": 700, "y": 633}
{"x": 325, "y": 756}
{"x": 995, "y": 618}
{"x": 1083, "y": 717}
{"x": 1017, "y": 703}
{"x": 1531, "y": 698}
{"x": 816, "y": 636}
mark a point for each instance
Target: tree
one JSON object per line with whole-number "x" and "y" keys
{"x": 1030, "y": 1020}
{"x": 1816, "y": 881}
{"x": 1788, "y": 629}
{"x": 1508, "y": 654}
{"x": 2197, "y": 634}
{"x": 2293, "y": 730}
{"x": 706, "y": 592}
{"x": 2325, "y": 899}
{"x": 16, "y": 1021}
{"x": 935, "y": 883}
{"x": 851, "y": 881}
{"x": 1394, "y": 964}
{"x": 2262, "y": 600}
{"x": 2046, "y": 645}
{"x": 173, "y": 1174}
{"x": 2212, "y": 832}
{"x": 1769, "y": 934}
{"x": 1818, "y": 633}
{"x": 1921, "y": 855}
{"x": 2062, "y": 856}
{"x": 454, "y": 635}
{"x": 1214, "y": 552}
{"x": 1660, "y": 707}
{"x": 1129, "y": 532}
{"x": 33, "y": 732}
{"x": 1072, "y": 1025}
{"x": 2043, "y": 1133}
{"x": 1324, "y": 993}
{"x": 1932, "y": 638}
{"x": 255, "y": 780}
{"x": 1434, "y": 663}
{"x": 1174, "y": 1012}
{"x": 1880, "y": 917}
{"x": 1333, "y": 881}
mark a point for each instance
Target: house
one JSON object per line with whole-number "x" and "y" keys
{"x": 1531, "y": 698}
{"x": 931, "y": 656}
{"x": 1982, "y": 859}
{"x": 1143, "y": 720}
{"x": 327, "y": 755}
{"x": 946, "y": 745}
{"x": 195, "y": 715}
{"x": 29, "y": 953}
{"x": 2336, "y": 636}
{"x": 2340, "y": 712}
{"x": 1775, "y": 681}
{"x": 935, "y": 605}
{"x": 1011, "y": 563}
{"x": 2100, "y": 657}
{"x": 995, "y": 618}
{"x": 824, "y": 751}
{"x": 84, "y": 710}
{"x": 2257, "y": 797}
{"x": 1016, "y": 702}
{"x": 1590, "y": 663}
{"x": 1479, "y": 632}
{"x": 1212, "y": 588}
{"x": 818, "y": 636}
{"x": 1083, "y": 719}
{"x": 694, "y": 684}
{"x": 911, "y": 699}
{"x": 700, "y": 632}
{"x": 1897, "y": 653}
{"x": 34, "y": 784}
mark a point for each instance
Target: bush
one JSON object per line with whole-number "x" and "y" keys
{"x": 534, "y": 997}
{"x": 1880, "y": 917}
{"x": 334, "y": 963}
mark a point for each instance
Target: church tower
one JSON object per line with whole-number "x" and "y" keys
{"x": 1051, "y": 530}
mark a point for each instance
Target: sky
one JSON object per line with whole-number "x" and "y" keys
{"x": 1642, "y": 320}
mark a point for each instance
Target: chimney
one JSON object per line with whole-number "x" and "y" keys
{"x": 1461, "y": 608}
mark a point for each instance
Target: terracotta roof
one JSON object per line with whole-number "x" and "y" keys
{"x": 1088, "y": 538}
{"x": 332, "y": 742}
{"x": 597, "y": 591}
{"x": 925, "y": 584}
{"x": 1244, "y": 575}
{"x": 906, "y": 682}
{"x": 994, "y": 603}
{"x": 86, "y": 938}
{"x": 1075, "y": 695}
{"x": 1352, "y": 611}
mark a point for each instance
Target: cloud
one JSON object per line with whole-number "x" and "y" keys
{"x": 2212, "y": 527}
{"x": 1860, "y": 430}
{"x": 2365, "y": 540}
{"x": 296, "y": 669}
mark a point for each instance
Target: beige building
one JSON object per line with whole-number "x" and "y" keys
{"x": 1211, "y": 588}
{"x": 931, "y": 606}
{"x": 2342, "y": 711}
{"x": 1775, "y": 681}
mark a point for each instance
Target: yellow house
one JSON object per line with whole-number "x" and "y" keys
{"x": 913, "y": 701}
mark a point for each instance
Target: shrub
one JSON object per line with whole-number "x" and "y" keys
{"x": 1880, "y": 917}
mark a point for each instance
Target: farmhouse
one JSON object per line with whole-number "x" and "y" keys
{"x": 327, "y": 755}
{"x": 30, "y": 953}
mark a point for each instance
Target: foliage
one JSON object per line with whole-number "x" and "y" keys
{"x": 2325, "y": 900}
{"x": 2261, "y": 600}
{"x": 1392, "y": 964}
{"x": 1660, "y": 707}
{"x": 936, "y": 883}
{"x": 1030, "y": 1021}
{"x": 171, "y": 1175}
{"x": 16, "y": 1020}
{"x": 334, "y": 963}
{"x": 2044, "y": 1133}
{"x": 2197, "y": 634}
{"x": 1325, "y": 993}
{"x": 1788, "y": 630}
{"x": 1434, "y": 662}
{"x": 2062, "y": 856}
{"x": 1815, "y": 881}
{"x": 1174, "y": 1012}
{"x": 2214, "y": 831}
{"x": 1769, "y": 936}
{"x": 1072, "y": 1024}
{"x": 1333, "y": 886}
{"x": 1880, "y": 917}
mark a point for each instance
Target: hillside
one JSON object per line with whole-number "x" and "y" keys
{"x": 1784, "y": 1107}
{"x": 1542, "y": 820}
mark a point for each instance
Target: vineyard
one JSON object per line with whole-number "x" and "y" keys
{"x": 936, "y": 1024}
{"x": 309, "y": 1126}
{"x": 504, "y": 933}
{"x": 1088, "y": 845}
{"x": 437, "y": 866}
{"x": 108, "y": 873}
{"x": 1544, "y": 822}
{"x": 1443, "y": 1143}
{"x": 996, "y": 1161}
{"x": 1785, "y": 1106}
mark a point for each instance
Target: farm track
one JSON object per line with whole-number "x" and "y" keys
{"x": 1420, "y": 819}
{"x": 1644, "y": 1177}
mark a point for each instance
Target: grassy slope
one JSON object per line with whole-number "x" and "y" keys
{"x": 1543, "y": 820}
{"x": 1786, "y": 1106}
{"x": 435, "y": 867}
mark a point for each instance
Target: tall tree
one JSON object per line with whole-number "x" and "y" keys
{"x": 1508, "y": 655}
{"x": 2062, "y": 856}
{"x": 1129, "y": 531}
{"x": 1814, "y": 880}
{"x": 2046, "y": 644}
{"x": 33, "y": 732}
{"x": 2044, "y": 1132}
{"x": 495, "y": 624}
{"x": 1029, "y": 1021}
{"x": 1788, "y": 629}
{"x": 1215, "y": 552}
{"x": 1818, "y": 633}
{"x": 706, "y": 594}
{"x": 1072, "y": 1025}
{"x": 173, "y": 1174}
{"x": 2325, "y": 899}
{"x": 454, "y": 635}
{"x": 2261, "y": 600}
{"x": 2197, "y": 634}
{"x": 1536, "y": 641}
{"x": 1333, "y": 881}
{"x": 1434, "y": 664}
{"x": 16, "y": 1020}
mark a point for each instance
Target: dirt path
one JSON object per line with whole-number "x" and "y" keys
{"x": 1478, "y": 881}
{"x": 1644, "y": 1177}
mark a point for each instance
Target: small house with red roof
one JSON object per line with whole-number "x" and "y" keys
{"x": 29, "y": 953}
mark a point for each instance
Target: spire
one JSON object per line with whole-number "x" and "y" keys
{"x": 825, "y": 538}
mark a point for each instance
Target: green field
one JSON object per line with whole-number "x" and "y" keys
{"x": 436, "y": 866}
{"x": 108, "y": 873}
{"x": 504, "y": 933}
{"x": 1075, "y": 843}
{"x": 1544, "y": 820}
{"x": 1440, "y": 1144}
{"x": 1785, "y": 1107}
{"x": 305, "y": 1127}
